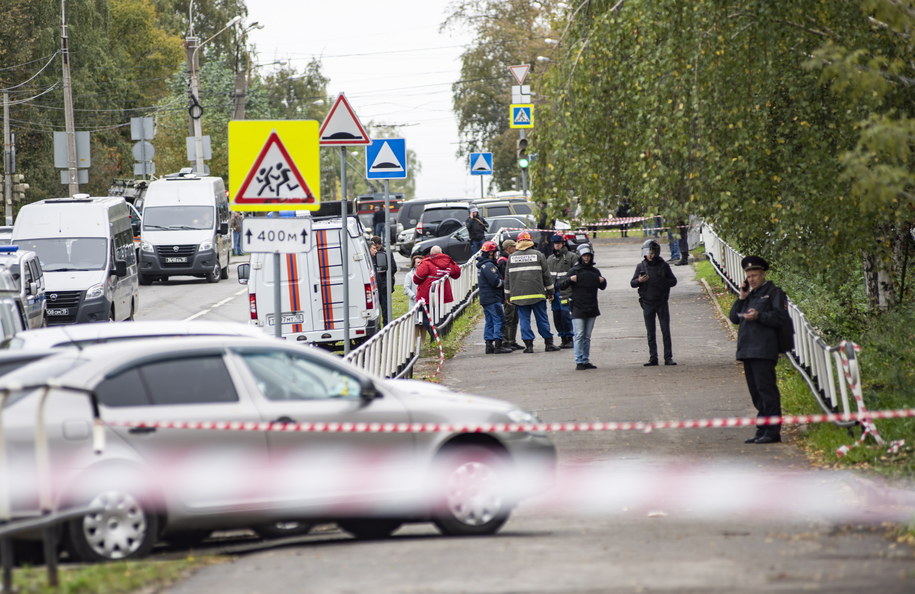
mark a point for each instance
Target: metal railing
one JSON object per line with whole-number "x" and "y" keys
{"x": 818, "y": 363}
{"x": 46, "y": 518}
{"x": 393, "y": 352}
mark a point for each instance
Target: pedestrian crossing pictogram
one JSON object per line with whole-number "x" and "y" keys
{"x": 521, "y": 116}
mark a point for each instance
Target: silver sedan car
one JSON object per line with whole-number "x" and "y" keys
{"x": 216, "y": 433}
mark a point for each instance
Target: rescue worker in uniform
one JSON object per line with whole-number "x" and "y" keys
{"x": 510, "y": 328}
{"x": 560, "y": 262}
{"x": 491, "y": 297}
{"x": 528, "y": 286}
{"x": 760, "y": 309}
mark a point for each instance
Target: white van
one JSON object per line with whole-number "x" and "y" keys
{"x": 185, "y": 229}
{"x": 25, "y": 270}
{"x": 85, "y": 246}
{"x": 312, "y": 285}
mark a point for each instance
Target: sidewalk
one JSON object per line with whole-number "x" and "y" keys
{"x": 707, "y": 381}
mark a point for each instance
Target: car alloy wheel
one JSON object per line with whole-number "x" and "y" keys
{"x": 121, "y": 529}
{"x": 472, "y": 499}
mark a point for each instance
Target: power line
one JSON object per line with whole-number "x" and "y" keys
{"x": 51, "y": 59}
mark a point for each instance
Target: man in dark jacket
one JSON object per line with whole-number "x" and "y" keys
{"x": 560, "y": 261}
{"x": 584, "y": 280}
{"x": 510, "y": 328}
{"x": 654, "y": 279}
{"x": 761, "y": 308}
{"x": 529, "y": 285}
{"x": 378, "y": 221}
{"x": 491, "y": 296}
{"x": 382, "y": 261}
{"x": 476, "y": 228}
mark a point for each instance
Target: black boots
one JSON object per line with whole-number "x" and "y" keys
{"x": 550, "y": 347}
{"x": 489, "y": 348}
{"x": 528, "y": 346}
{"x": 500, "y": 348}
{"x": 567, "y": 343}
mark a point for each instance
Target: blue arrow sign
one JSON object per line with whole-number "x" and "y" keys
{"x": 386, "y": 158}
{"x": 480, "y": 163}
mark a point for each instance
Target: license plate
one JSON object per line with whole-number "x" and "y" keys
{"x": 288, "y": 318}
{"x": 59, "y": 311}
{"x": 176, "y": 260}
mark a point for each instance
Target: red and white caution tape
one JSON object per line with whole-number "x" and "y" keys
{"x": 865, "y": 418}
{"x": 642, "y": 426}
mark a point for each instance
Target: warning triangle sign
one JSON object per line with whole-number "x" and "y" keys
{"x": 341, "y": 127}
{"x": 274, "y": 178}
{"x": 386, "y": 160}
{"x": 481, "y": 164}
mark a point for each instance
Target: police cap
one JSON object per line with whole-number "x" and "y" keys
{"x": 754, "y": 263}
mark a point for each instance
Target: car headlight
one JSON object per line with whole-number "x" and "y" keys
{"x": 205, "y": 246}
{"x": 523, "y": 417}
{"x": 95, "y": 291}
{"x": 147, "y": 247}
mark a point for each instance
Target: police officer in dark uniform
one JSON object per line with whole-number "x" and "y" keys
{"x": 760, "y": 309}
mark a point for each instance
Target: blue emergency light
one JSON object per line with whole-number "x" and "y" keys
{"x": 5, "y": 249}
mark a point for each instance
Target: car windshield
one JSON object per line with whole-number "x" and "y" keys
{"x": 440, "y": 214}
{"x": 68, "y": 253}
{"x": 178, "y": 217}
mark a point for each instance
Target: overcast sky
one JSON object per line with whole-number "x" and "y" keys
{"x": 392, "y": 63}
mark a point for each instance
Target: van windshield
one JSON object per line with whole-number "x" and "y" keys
{"x": 62, "y": 254}
{"x": 178, "y": 217}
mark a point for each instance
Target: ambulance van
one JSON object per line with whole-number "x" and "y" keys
{"x": 312, "y": 286}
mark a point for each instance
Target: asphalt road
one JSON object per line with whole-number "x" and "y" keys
{"x": 692, "y": 510}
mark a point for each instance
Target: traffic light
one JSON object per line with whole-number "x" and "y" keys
{"x": 19, "y": 187}
{"x": 523, "y": 160}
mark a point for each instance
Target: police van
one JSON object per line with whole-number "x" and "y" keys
{"x": 312, "y": 287}
{"x": 85, "y": 246}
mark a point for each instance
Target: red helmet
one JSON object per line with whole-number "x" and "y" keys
{"x": 489, "y": 246}
{"x": 525, "y": 236}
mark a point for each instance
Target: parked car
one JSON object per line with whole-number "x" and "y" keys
{"x": 25, "y": 270}
{"x": 80, "y": 335}
{"x": 153, "y": 481}
{"x": 12, "y": 315}
{"x": 457, "y": 244}
{"x": 441, "y": 218}
{"x": 494, "y": 208}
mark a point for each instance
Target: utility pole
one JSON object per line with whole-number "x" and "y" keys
{"x": 70, "y": 127}
{"x": 242, "y": 74}
{"x": 195, "y": 110}
{"x": 7, "y": 161}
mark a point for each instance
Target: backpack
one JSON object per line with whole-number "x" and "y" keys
{"x": 786, "y": 332}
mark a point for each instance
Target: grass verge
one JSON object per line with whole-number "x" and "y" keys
{"x": 118, "y": 577}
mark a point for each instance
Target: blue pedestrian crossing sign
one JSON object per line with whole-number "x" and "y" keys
{"x": 480, "y": 163}
{"x": 386, "y": 158}
{"x": 521, "y": 115}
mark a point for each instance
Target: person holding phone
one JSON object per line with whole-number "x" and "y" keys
{"x": 654, "y": 279}
{"x": 761, "y": 307}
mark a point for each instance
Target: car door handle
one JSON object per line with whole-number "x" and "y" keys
{"x": 284, "y": 420}
{"x": 141, "y": 430}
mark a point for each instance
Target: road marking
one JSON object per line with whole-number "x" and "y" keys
{"x": 204, "y": 312}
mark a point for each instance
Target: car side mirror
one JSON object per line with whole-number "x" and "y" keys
{"x": 223, "y": 229}
{"x": 33, "y": 288}
{"x": 120, "y": 268}
{"x": 367, "y": 390}
{"x": 244, "y": 273}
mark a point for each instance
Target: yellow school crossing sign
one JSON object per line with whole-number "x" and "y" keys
{"x": 274, "y": 165}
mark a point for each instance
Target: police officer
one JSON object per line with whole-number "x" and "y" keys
{"x": 760, "y": 309}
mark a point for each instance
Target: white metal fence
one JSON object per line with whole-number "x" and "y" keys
{"x": 393, "y": 351}
{"x": 818, "y": 363}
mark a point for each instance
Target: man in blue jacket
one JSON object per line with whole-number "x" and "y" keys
{"x": 492, "y": 294}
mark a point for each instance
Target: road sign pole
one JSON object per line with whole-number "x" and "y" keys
{"x": 523, "y": 169}
{"x": 387, "y": 248}
{"x": 277, "y": 297}
{"x": 344, "y": 250}
{"x": 481, "y": 187}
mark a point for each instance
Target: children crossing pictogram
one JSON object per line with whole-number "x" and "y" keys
{"x": 274, "y": 178}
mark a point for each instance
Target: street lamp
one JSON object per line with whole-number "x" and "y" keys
{"x": 195, "y": 110}
{"x": 241, "y": 75}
